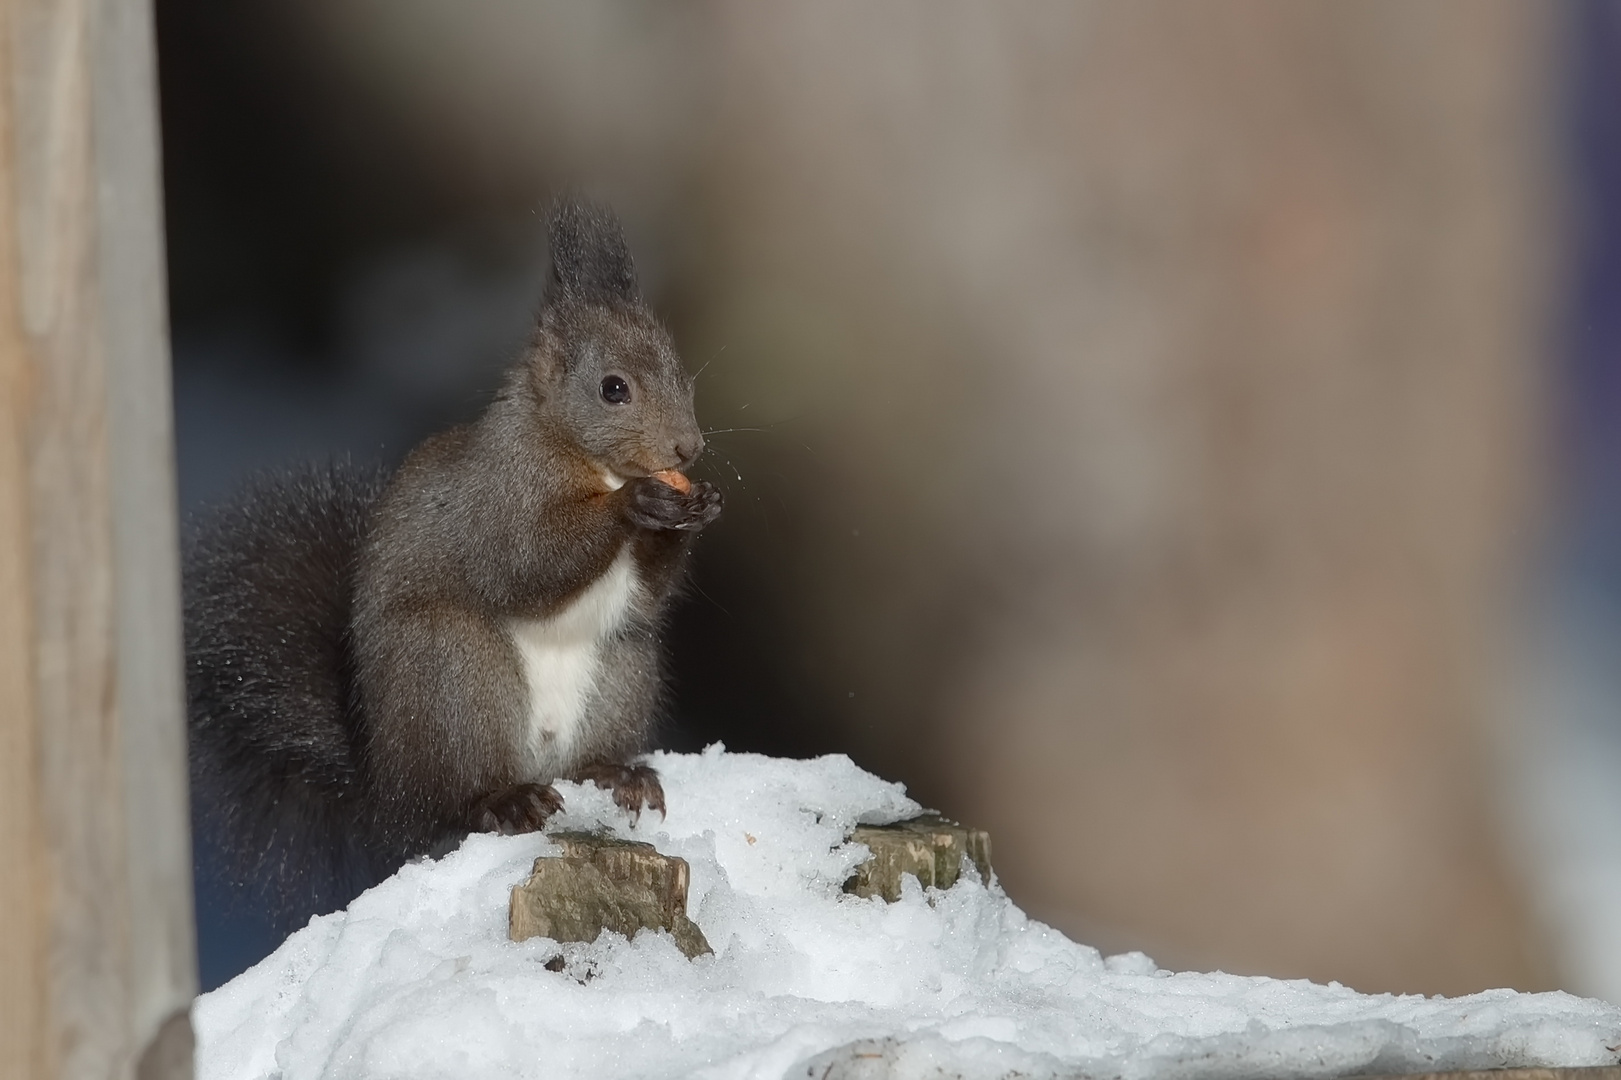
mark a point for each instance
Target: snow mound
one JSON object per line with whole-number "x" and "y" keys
{"x": 417, "y": 978}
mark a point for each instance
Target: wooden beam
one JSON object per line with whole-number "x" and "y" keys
{"x": 97, "y": 956}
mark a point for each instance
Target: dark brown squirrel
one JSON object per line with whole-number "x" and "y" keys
{"x": 377, "y": 666}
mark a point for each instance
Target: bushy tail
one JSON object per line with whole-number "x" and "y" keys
{"x": 278, "y": 781}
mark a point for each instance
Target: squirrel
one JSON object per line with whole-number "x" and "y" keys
{"x": 378, "y": 665}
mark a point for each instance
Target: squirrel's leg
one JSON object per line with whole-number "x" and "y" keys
{"x": 634, "y": 787}
{"x": 444, "y": 701}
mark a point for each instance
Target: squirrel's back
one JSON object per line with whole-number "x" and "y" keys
{"x": 276, "y": 734}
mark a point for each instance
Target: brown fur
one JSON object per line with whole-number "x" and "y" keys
{"x": 417, "y": 709}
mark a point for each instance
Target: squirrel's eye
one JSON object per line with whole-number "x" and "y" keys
{"x": 615, "y": 390}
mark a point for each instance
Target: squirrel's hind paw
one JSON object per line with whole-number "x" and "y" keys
{"x": 520, "y": 808}
{"x": 635, "y": 787}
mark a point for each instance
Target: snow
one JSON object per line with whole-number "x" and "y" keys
{"x": 417, "y": 978}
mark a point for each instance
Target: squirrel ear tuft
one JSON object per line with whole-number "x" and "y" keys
{"x": 590, "y": 259}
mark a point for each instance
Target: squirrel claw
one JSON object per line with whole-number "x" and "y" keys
{"x": 635, "y": 787}
{"x": 521, "y": 808}
{"x": 656, "y": 505}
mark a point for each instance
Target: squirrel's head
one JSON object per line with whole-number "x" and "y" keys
{"x": 603, "y": 370}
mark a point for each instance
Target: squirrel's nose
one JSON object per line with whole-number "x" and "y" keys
{"x": 688, "y": 448}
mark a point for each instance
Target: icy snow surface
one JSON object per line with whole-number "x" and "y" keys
{"x": 418, "y": 979}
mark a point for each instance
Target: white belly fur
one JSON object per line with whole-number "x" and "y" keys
{"x": 561, "y": 654}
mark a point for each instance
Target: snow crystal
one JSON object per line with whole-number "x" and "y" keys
{"x": 417, "y": 978}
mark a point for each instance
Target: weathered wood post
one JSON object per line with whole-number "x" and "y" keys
{"x": 97, "y": 955}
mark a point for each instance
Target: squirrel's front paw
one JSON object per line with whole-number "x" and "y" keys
{"x": 520, "y": 808}
{"x": 656, "y": 505}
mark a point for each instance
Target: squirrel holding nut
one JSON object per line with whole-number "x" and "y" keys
{"x": 378, "y": 665}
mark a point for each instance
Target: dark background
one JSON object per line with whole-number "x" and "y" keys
{"x": 1071, "y": 494}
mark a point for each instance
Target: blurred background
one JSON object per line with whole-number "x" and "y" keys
{"x": 1183, "y": 439}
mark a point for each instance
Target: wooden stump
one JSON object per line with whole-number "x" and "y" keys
{"x": 929, "y": 847}
{"x": 604, "y": 883}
